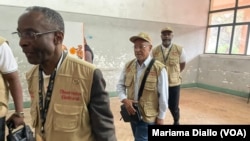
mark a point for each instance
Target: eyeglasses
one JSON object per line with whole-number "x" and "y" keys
{"x": 32, "y": 34}
{"x": 140, "y": 47}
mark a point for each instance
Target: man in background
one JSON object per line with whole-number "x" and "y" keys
{"x": 89, "y": 55}
{"x": 173, "y": 56}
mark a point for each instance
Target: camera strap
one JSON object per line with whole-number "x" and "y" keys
{"x": 144, "y": 78}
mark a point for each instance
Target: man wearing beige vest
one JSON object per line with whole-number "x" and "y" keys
{"x": 173, "y": 56}
{"x": 9, "y": 82}
{"x": 153, "y": 101}
{"x": 68, "y": 97}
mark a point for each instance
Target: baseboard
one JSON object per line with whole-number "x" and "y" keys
{"x": 223, "y": 90}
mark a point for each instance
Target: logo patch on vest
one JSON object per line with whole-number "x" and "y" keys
{"x": 128, "y": 70}
{"x": 175, "y": 53}
{"x": 76, "y": 81}
{"x": 153, "y": 73}
{"x": 70, "y": 95}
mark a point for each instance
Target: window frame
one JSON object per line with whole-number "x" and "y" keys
{"x": 234, "y": 24}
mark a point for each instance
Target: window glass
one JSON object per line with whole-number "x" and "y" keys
{"x": 221, "y": 17}
{"x": 243, "y": 15}
{"x": 224, "y": 40}
{"x": 243, "y": 2}
{"x": 221, "y": 4}
{"x": 248, "y": 47}
{"x": 211, "y": 40}
{"x": 239, "y": 40}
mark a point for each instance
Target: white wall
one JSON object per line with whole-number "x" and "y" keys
{"x": 168, "y": 11}
{"x": 109, "y": 24}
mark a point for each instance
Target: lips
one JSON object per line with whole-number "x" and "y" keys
{"x": 165, "y": 40}
{"x": 138, "y": 54}
{"x": 29, "y": 54}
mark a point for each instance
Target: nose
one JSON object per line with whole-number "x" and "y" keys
{"x": 136, "y": 49}
{"x": 23, "y": 42}
{"x": 165, "y": 35}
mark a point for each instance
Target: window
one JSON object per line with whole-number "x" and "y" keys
{"x": 228, "y": 27}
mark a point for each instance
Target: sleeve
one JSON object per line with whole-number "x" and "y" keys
{"x": 163, "y": 93}
{"x": 120, "y": 87}
{"x": 101, "y": 117}
{"x": 87, "y": 48}
{"x": 7, "y": 60}
{"x": 183, "y": 56}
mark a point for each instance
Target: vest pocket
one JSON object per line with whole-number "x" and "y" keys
{"x": 128, "y": 81}
{"x": 173, "y": 61}
{"x": 174, "y": 78}
{"x": 150, "y": 84}
{"x": 150, "y": 109}
{"x": 67, "y": 118}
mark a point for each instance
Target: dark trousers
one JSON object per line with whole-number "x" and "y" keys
{"x": 173, "y": 103}
{"x": 2, "y": 128}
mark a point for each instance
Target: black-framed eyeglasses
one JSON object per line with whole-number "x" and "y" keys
{"x": 32, "y": 34}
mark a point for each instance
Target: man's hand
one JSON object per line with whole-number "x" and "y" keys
{"x": 129, "y": 106}
{"x": 159, "y": 121}
{"x": 17, "y": 119}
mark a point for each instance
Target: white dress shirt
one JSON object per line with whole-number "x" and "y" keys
{"x": 8, "y": 62}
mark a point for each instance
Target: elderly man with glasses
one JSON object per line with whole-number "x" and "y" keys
{"x": 152, "y": 99}
{"x": 68, "y": 97}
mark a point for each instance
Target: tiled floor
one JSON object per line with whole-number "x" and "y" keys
{"x": 198, "y": 106}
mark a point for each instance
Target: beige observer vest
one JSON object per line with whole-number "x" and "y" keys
{"x": 67, "y": 118}
{"x": 149, "y": 104}
{"x": 4, "y": 92}
{"x": 172, "y": 63}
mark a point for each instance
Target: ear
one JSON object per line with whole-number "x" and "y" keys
{"x": 150, "y": 47}
{"x": 58, "y": 38}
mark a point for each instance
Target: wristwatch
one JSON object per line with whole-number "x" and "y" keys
{"x": 19, "y": 114}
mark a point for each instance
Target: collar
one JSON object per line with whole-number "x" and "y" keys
{"x": 57, "y": 67}
{"x": 163, "y": 47}
{"x": 146, "y": 62}
{"x": 60, "y": 62}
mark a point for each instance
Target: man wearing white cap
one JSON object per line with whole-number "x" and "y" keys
{"x": 153, "y": 101}
{"x": 173, "y": 56}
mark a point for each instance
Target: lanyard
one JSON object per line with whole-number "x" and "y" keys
{"x": 43, "y": 106}
{"x": 165, "y": 58}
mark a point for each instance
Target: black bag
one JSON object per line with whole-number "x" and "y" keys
{"x": 21, "y": 134}
{"x": 128, "y": 118}
{"x": 124, "y": 114}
